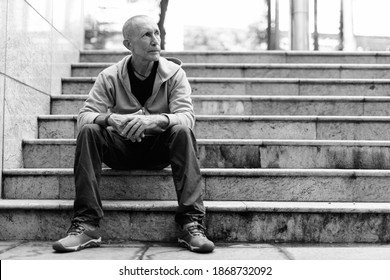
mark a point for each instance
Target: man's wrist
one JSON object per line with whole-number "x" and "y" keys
{"x": 106, "y": 119}
{"x": 164, "y": 121}
{"x": 103, "y": 119}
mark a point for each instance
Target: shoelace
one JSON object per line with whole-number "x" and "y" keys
{"x": 75, "y": 229}
{"x": 196, "y": 230}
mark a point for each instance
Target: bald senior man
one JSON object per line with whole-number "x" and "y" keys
{"x": 138, "y": 115}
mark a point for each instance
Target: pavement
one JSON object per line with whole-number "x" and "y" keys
{"x": 34, "y": 250}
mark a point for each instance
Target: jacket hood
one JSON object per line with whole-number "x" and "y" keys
{"x": 167, "y": 67}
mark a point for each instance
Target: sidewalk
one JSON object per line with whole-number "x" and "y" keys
{"x": 13, "y": 250}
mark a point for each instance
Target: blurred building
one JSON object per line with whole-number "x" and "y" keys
{"x": 247, "y": 24}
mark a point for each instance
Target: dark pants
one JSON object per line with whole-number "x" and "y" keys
{"x": 176, "y": 146}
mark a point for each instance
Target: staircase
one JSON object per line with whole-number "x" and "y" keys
{"x": 294, "y": 147}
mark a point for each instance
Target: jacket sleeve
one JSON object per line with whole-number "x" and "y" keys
{"x": 99, "y": 100}
{"x": 180, "y": 103}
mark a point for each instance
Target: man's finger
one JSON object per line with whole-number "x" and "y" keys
{"x": 130, "y": 117}
{"x": 138, "y": 131}
{"x": 133, "y": 130}
{"x": 125, "y": 131}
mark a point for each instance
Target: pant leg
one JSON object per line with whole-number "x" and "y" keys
{"x": 96, "y": 145}
{"x": 178, "y": 143}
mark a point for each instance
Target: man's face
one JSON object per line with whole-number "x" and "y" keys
{"x": 145, "y": 40}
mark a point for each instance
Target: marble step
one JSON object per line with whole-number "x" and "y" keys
{"x": 262, "y": 86}
{"x": 234, "y": 221}
{"x": 253, "y": 70}
{"x": 241, "y": 153}
{"x": 260, "y": 105}
{"x": 251, "y": 57}
{"x": 254, "y": 127}
{"x": 226, "y": 184}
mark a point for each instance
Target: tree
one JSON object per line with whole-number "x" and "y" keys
{"x": 163, "y": 11}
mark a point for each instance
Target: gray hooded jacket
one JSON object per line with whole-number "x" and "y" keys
{"x": 112, "y": 93}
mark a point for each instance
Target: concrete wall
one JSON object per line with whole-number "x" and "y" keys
{"x": 38, "y": 41}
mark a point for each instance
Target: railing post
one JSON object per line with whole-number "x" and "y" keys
{"x": 273, "y": 25}
{"x": 299, "y": 25}
{"x": 315, "y": 34}
{"x": 349, "y": 37}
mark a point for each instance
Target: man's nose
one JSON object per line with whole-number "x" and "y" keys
{"x": 156, "y": 40}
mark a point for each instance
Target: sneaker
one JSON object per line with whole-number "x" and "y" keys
{"x": 80, "y": 236}
{"x": 194, "y": 238}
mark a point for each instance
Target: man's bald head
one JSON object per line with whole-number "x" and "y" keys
{"x": 141, "y": 36}
{"x": 131, "y": 25}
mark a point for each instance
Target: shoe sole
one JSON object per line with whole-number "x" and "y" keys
{"x": 205, "y": 249}
{"x": 57, "y": 246}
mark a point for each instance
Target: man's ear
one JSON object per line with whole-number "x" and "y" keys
{"x": 127, "y": 44}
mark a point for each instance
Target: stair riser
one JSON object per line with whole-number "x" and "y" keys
{"x": 254, "y": 107}
{"x": 221, "y": 227}
{"x": 262, "y": 88}
{"x": 218, "y": 188}
{"x": 242, "y": 72}
{"x": 199, "y": 58}
{"x": 253, "y": 129}
{"x": 62, "y": 156}
{"x": 254, "y": 58}
{"x": 242, "y": 156}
